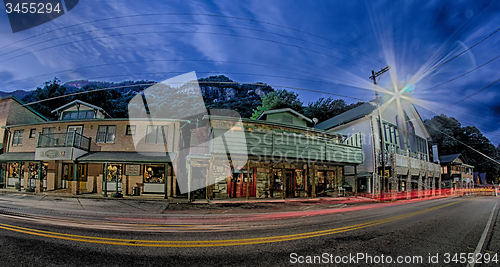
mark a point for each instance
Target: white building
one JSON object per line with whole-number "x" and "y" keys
{"x": 407, "y": 162}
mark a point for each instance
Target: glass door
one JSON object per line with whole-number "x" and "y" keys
{"x": 77, "y": 138}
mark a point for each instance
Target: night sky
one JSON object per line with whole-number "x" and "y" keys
{"x": 328, "y": 46}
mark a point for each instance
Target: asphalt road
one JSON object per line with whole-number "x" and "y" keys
{"x": 418, "y": 232}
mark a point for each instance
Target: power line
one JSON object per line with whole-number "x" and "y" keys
{"x": 473, "y": 94}
{"x": 212, "y": 33}
{"x": 238, "y": 73}
{"x": 461, "y": 75}
{"x": 461, "y": 53}
{"x": 182, "y": 23}
{"x": 195, "y": 14}
{"x": 162, "y": 60}
{"x": 199, "y": 82}
{"x": 481, "y": 153}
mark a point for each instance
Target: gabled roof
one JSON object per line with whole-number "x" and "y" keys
{"x": 20, "y": 102}
{"x": 348, "y": 116}
{"x": 267, "y": 112}
{"x": 449, "y": 158}
{"x": 79, "y": 102}
{"x": 366, "y": 109}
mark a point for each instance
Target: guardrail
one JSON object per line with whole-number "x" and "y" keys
{"x": 68, "y": 139}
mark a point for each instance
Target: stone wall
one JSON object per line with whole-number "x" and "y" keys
{"x": 262, "y": 183}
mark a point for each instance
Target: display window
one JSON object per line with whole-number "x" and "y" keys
{"x": 14, "y": 170}
{"x": 33, "y": 170}
{"x": 277, "y": 183}
{"x": 115, "y": 172}
{"x": 154, "y": 174}
{"x": 299, "y": 180}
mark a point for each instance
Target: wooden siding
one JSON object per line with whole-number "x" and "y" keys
{"x": 283, "y": 145}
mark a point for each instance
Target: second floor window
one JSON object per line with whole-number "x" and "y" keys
{"x": 156, "y": 134}
{"x": 18, "y": 137}
{"x": 75, "y": 115}
{"x": 32, "y": 133}
{"x": 130, "y": 130}
{"x": 106, "y": 134}
{"x": 48, "y": 130}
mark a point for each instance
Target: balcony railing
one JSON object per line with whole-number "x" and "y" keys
{"x": 414, "y": 163}
{"x": 68, "y": 139}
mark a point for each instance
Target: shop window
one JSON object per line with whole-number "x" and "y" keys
{"x": 154, "y": 174}
{"x": 14, "y": 170}
{"x": 17, "y": 139}
{"x": 130, "y": 130}
{"x": 114, "y": 172}
{"x": 277, "y": 183}
{"x": 106, "y": 134}
{"x": 299, "y": 178}
{"x": 32, "y": 133}
{"x": 156, "y": 134}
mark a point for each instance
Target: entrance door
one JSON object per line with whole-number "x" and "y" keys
{"x": 69, "y": 137}
{"x": 241, "y": 183}
{"x": 82, "y": 176}
{"x": 290, "y": 184}
{"x": 67, "y": 175}
{"x": 68, "y": 172}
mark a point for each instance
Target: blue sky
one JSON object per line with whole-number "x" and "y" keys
{"x": 329, "y": 46}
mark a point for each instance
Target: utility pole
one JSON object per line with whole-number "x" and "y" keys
{"x": 382, "y": 141}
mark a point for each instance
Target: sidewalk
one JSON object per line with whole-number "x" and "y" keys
{"x": 157, "y": 204}
{"x": 182, "y": 200}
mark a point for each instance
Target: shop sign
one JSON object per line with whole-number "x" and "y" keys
{"x": 52, "y": 153}
{"x": 133, "y": 170}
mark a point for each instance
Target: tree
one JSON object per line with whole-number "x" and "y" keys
{"x": 324, "y": 109}
{"x": 52, "y": 90}
{"x": 452, "y": 138}
{"x": 276, "y": 100}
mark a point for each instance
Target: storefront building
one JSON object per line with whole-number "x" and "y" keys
{"x": 395, "y": 144}
{"x": 87, "y": 151}
{"x": 276, "y": 156}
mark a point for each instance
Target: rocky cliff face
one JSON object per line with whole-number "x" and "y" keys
{"x": 221, "y": 88}
{"x": 213, "y": 89}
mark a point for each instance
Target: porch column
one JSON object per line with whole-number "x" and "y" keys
{"x": 433, "y": 186}
{"x": 165, "y": 191}
{"x": 420, "y": 185}
{"x": 313, "y": 180}
{"x": 189, "y": 180}
{"x": 210, "y": 177}
{"x": 105, "y": 180}
{"x": 439, "y": 185}
{"x": 248, "y": 180}
{"x": 75, "y": 185}
{"x": 39, "y": 181}
{"x": 394, "y": 178}
{"x": 408, "y": 185}
{"x": 19, "y": 175}
{"x": 270, "y": 176}
{"x": 355, "y": 180}
{"x": 283, "y": 180}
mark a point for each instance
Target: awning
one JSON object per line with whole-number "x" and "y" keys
{"x": 18, "y": 157}
{"x": 127, "y": 157}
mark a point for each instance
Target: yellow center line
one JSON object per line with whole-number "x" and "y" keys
{"x": 213, "y": 243}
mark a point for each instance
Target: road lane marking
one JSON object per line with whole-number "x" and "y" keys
{"x": 483, "y": 237}
{"x": 213, "y": 243}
